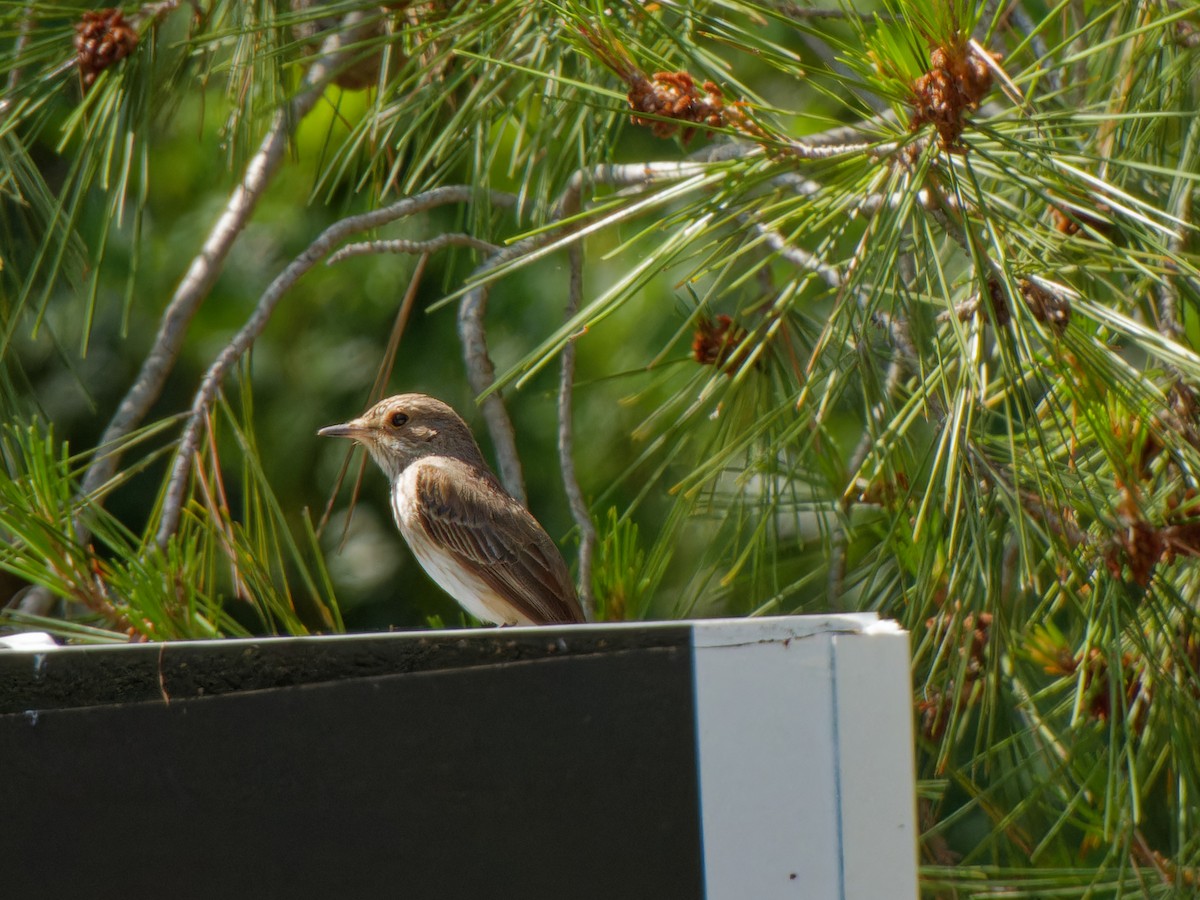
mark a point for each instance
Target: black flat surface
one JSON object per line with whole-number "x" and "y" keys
{"x": 86, "y": 676}
{"x": 558, "y": 774}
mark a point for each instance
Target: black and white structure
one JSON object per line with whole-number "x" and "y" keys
{"x": 750, "y": 758}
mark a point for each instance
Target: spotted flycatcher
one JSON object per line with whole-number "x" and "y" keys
{"x": 476, "y": 541}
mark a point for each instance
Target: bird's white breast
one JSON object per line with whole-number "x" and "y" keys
{"x": 471, "y": 592}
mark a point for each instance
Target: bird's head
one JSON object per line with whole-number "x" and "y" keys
{"x": 402, "y": 429}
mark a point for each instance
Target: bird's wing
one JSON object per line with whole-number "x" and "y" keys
{"x": 483, "y": 526}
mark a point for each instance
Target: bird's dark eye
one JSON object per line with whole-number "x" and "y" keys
{"x": 399, "y": 420}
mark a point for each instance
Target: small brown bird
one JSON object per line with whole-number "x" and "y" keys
{"x": 476, "y": 541}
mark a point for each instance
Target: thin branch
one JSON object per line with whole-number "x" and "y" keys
{"x": 433, "y": 245}
{"x": 847, "y": 134}
{"x": 241, "y": 342}
{"x": 24, "y": 30}
{"x": 840, "y": 140}
{"x": 481, "y": 373}
{"x": 800, "y": 257}
{"x": 1168, "y": 305}
{"x": 811, "y": 147}
{"x": 566, "y": 459}
{"x": 480, "y": 370}
{"x": 811, "y": 151}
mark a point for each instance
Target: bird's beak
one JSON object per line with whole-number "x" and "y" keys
{"x": 355, "y": 429}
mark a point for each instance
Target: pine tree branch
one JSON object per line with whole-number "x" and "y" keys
{"x": 481, "y": 373}
{"x": 903, "y": 361}
{"x": 195, "y": 286}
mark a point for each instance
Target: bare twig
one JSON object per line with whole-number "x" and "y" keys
{"x": 241, "y": 342}
{"x": 195, "y": 286}
{"x": 848, "y": 134}
{"x": 1168, "y": 305}
{"x": 811, "y": 147}
{"x": 205, "y": 267}
{"x": 433, "y": 245}
{"x": 835, "y": 278}
{"x": 24, "y": 30}
{"x": 481, "y": 373}
{"x": 800, "y": 257}
{"x": 566, "y": 459}
{"x": 841, "y": 140}
{"x": 822, "y": 145}
{"x": 812, "y": 151}
{"x": 480, "y": 370}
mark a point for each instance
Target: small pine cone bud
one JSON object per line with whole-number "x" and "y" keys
{"x": 1048, "y": 308}
{"x": 715, "y": 343}
{"x": 674, "y": 95}
{"x": 102, "y": 37}
{"x": 1070, "y": 223}
{"x": 957, "y": 80}
{"x": 1000, "y": 311}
